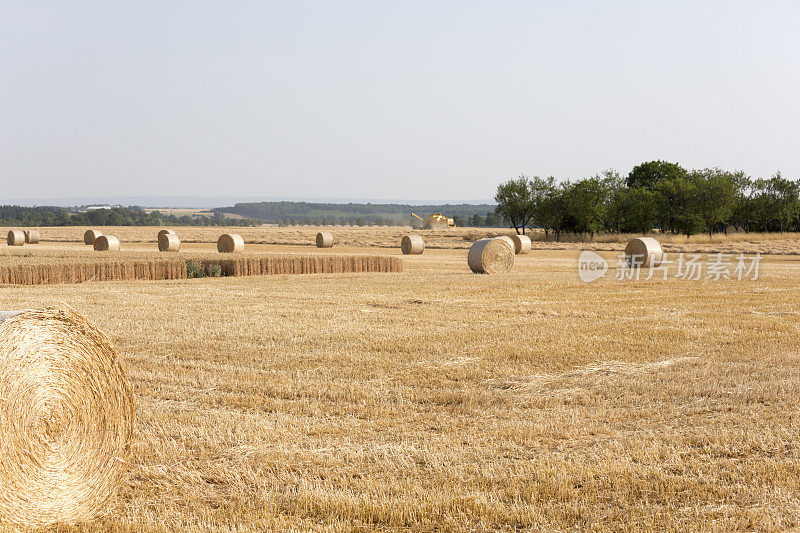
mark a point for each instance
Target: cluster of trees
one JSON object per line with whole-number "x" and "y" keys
{"x": 654, "y": 195}
{"x": 118, "y": 216}
{"x": 296, "y": 213}
{"x": 336, "y": 221}
{"x": 360, "y": 214}
{"x": 490, "y": 220}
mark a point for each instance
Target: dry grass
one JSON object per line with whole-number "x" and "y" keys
{"x": 438, "y": 399}
{"x": 457, "y": 238}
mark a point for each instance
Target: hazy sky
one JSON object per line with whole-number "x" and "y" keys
{"x": 395, "y": 100}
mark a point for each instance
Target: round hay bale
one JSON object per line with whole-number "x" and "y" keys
{"x": 91, "y": 235}
{"x": 67, "y": 414}
{"x": 324, "y": 239}
{"x": 168, "y": 242}
{"x": 508, "y": 239}
{"x": 522, "y": 244}
{"x": 491, "y": 256}
{"x": 643, "y": 252}
{"x": 166, "y": 232}
{"x": 230, "y": 243}
{"x": 16, "y": 237}
{"x": 106, "y": 243}
{"x": 32, "y": 236}
{"x": 412, "y": 244}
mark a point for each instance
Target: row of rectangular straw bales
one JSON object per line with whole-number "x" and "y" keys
{"x": 335, "y": 264}
{"x": 18, "y": 237}
{"x": 26, "y": 274}
{"x": 81, "y": 272}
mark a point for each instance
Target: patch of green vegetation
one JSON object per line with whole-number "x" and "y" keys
{"x": 198, "y": 270}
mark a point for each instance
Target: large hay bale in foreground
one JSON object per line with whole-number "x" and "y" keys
{"x": 643, "y": 252}
{"x": 324, "y": 239}
{"x": 32, "y": 236}
{"x": 229, "y": 243}
{"x": 106, "y": 243}
{"x": 91, "y": 235}
{"x": 412, "y": 244}
{"x": 67, "y": 414}
{"x": 165, "y": 232}
{"x": 491, "y": 256}
{"x": 16, "y": 237}
{"x": 168, "y": 242}
{"x": 522, "y": 244}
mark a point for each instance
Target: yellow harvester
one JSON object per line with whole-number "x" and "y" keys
{"x": 436, "y": 221}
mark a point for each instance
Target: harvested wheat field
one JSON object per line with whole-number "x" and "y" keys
{"x": 434, "y": 398}
{"x": 142, "y": 237}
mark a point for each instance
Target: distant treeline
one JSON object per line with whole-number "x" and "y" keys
{"x": 11, "y": 215}
{"x": 355, "y": 214}
{"x": 656, "y": 195}
{"x": 281, "y": 213}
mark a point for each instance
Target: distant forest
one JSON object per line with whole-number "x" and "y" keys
{"x": 294, "y": 213}
{"x": 11, "y": 215}
{"x": 281, "y": 213}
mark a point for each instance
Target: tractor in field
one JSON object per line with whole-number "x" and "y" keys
{"x": 435, "y": 221}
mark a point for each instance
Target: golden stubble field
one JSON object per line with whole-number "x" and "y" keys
{"x": 439, "y": 399}
{"x": 302, "y": 237}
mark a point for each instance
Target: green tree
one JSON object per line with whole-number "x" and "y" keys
{"x": 631, "y": 210}
{"x": 676, "y": 209}
{"x": 650, "y": 174}
{"x": 714, "y": 197}
{"x": 785, "y": 200}
{"x": 763, "y": 204}
{"x": 553, "y": 209}
{"x": 542, "y": 189}
{"x": 585, "y": 205}
{"x": 514, "y": 203}
{"x": 744, "y": 202}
